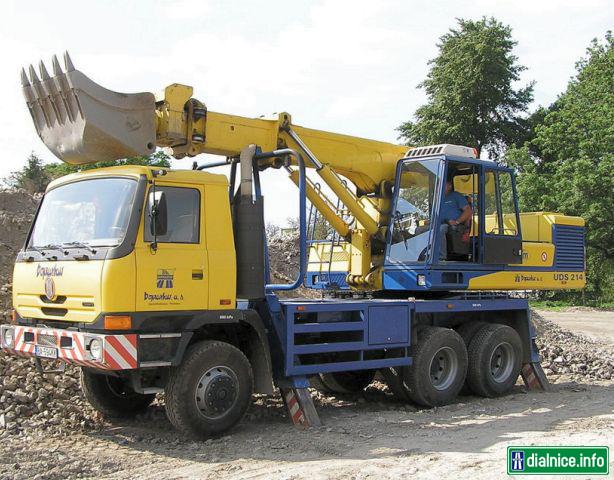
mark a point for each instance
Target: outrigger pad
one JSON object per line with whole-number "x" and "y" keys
{"x": 82, "y": 122}
{"x": 534, "y": 377}
{"x": 301, "y": 408}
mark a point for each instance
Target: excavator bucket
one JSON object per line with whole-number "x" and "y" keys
{"x": 82, "y": 122}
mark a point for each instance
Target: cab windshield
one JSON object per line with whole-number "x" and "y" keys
{"x": 411, "y": 219}
{"x": 89, "y": 212}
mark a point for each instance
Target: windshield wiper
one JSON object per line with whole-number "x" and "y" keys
{"x": 41, "y": 249}
{"x": 77, "y": 244}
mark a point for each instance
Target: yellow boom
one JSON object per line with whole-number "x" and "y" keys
{"x": 82, "y": 122}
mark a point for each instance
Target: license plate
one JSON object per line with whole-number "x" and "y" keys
{"x": 47, "y": 352}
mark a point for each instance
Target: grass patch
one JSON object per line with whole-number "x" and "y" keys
{"x": 558, "y": 305}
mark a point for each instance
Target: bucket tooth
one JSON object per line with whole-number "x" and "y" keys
{"x": 53, "y": 94}
{"x": 68, "y": 62}
{"x": 24, "y": 78}
{"x": 42, "y": 98}
{"x": 33, "y": 77}
{"x": 55, "y": 64}
{"x": 43, "y": 70}
{"x": 82, "y": 122}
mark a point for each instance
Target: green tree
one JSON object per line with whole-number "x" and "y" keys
{"x": 32, "y": 177}
{"x": 568, "y": 165}
{"x": 470, "y": 88}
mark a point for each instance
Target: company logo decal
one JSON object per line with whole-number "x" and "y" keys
{"x": 165, "y": 278}
{"x": 50, "y": 288}
{"x": 527, "y": 278}
{"x": 53, "y": 271}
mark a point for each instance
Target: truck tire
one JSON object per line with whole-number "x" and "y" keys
{"x": 439, "y": 367}
{"x": 347, "y": 382}
{"x": 467, "y": 331}
{"x": 210, "y": 391}
{"x": 495, "y": 360}
{"x": 394, "y": 378}
{"x": 316, "y": 382}
{"x": 112, "y": 396}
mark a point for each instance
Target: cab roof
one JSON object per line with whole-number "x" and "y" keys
{"x": 136, "y": 171}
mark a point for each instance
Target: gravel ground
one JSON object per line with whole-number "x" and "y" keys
{"x": 48, "y": 431}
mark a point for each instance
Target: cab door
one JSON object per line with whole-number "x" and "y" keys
{"x": 502, "y": 240}
{"x": 173, "y": 276}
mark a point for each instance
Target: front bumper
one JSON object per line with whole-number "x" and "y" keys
{"x": 117, "y": 352}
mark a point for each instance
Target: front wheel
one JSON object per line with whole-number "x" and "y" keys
{"x": 210, "y": 391}
{"x": 113, "y": 396}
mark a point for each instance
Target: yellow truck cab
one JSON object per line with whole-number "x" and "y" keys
{"x": 86, "y": 270}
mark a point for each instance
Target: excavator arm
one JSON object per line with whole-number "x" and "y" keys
{"x": 82, "y": 122}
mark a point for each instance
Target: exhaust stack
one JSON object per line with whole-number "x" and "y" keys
{"x": 82, "y": 122}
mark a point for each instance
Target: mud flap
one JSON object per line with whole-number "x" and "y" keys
{"x": 300, "y": 407}
{"x": 534, "y": 377}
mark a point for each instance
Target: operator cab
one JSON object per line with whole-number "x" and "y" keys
{"x": 452, "y": 211}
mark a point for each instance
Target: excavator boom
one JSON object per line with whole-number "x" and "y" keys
{"x": 83, "y": 122}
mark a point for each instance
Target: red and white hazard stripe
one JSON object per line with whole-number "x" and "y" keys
{"x": 119, "y": 351}
{"x": 294, "y": 407}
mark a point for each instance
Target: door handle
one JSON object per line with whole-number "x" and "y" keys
{"x": 197, "y": 275}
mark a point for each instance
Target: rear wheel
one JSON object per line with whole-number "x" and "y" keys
{"x": 347, "y": 382}
{"x": 394, "y": 378}
{"x": 438, "y": 370}
{"x": 495, "y": 360}
{"x": 113, "y": 396}
{"x": 439, "y": 367}
{"x": 467, "y": 331}
{"x": 211, "y": 389}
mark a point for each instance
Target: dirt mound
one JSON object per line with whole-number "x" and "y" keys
{"x": 567, "y": 353}
{"x": 17, "y": 209}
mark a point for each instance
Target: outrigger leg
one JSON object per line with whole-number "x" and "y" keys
{"x": 534, "y": 377}
{"x": 300, "y": 404}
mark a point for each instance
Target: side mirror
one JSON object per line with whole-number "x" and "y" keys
{"x": 158, "y": 212}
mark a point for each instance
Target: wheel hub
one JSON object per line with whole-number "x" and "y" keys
{"x": 443, "y": 368}
{"x": 502, "y": 362}
{"x": 216, "y": 392}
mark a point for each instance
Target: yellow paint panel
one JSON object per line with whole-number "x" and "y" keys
{"x": 529, "y": 281}
{"x": 164, "y": 278}
{"x": 320, "y": 257}
{"x": 537, "y": 226}
{"x": 78, "y": 281}
{"x": 118, "y": 284}
{"x": 220, "y": 248}
{"x": 535, "y": 254}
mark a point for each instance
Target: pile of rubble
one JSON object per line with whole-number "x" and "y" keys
{"x": 17, "y": 208}
{"x": 567, "y": 353}
{"x": 30, "y": 401}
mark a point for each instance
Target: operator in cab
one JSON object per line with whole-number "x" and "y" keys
{"x": 455, "y": 211}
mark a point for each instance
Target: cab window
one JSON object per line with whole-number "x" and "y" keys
{"x": 501, "y": 216}
{"x": 183, "y": 217}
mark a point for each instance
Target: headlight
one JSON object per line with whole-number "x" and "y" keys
{"x": 96, "y": 349}
{"x": 9, "y": 337}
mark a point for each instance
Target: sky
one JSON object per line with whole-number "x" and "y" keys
{"x": 346, "y": 66}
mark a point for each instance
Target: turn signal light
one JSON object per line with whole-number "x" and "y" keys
{"x": 13, "y": 317}
{"x": 117, "y": 322}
